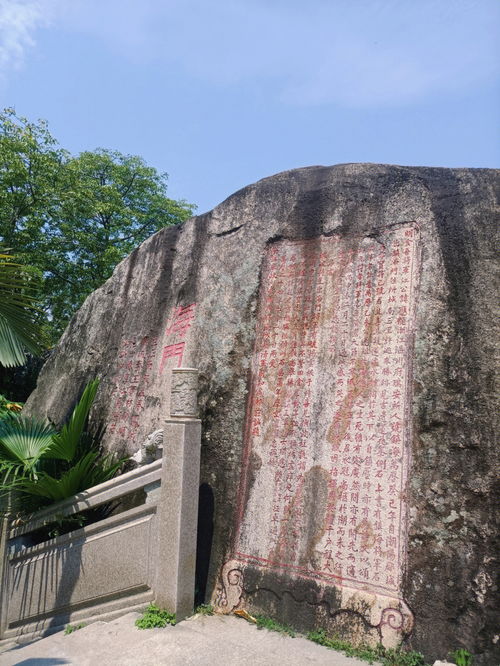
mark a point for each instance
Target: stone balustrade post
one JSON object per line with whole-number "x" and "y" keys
{"x": 4, "y": 541}
{"x": 178, "y": 506}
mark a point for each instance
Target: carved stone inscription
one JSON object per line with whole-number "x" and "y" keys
{"x": 139, "y": 362}
{"x": 327, "y": 442}
{"x": 135, "y": 366}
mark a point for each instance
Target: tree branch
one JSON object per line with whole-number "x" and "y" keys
{"x": 134, "y": 235}
{"x": 62, "y": 277}
{"x": 129, "y": 186}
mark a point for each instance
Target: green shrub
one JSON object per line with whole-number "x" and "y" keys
{"x": 155, "y": 617}
{"x": 7, "y": 407}
{"x": 264, "y": 622}
{"x": 205, "y": 609}
{"x": 70, "y": 628}
{"x": 461, "y": 657}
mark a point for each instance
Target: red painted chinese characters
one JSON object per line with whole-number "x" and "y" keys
{"x": 176, "y": 333}
{"x": 328, "y": 418}
{"x": 139, "y": 363}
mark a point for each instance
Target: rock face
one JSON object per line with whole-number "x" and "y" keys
{"x": 342, "y": 319}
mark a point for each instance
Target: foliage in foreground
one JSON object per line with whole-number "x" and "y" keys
{"x": 71, "y": 628}
{"x": 39, "y": 465}
{"x": 73, "y": 218}
{"x": 264, "y": 622}
{"x": 385, "y": 656}
{"x": 204, "y": 609}
{"x": 461, "y": 657}
{"x": 8, "y": 406}
{"x": 155, "y": 618}
{"x": 20, "y": 330}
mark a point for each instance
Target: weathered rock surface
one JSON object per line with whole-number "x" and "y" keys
{"x": 190, "y": 295}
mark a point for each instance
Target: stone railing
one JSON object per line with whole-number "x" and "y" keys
{"x": 121, "y": 563}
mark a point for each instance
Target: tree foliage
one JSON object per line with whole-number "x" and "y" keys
{"x": 74, "y": 218}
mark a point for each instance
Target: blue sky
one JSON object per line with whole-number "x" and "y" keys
{"x": 222, "y": 93}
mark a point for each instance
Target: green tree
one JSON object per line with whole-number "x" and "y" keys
{"x": 31, "y": 180}
{"x": 75, "y": 217}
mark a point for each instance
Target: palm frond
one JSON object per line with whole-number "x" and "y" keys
{"x": 23, "y": 441}
{"x": 89, "y": 471}
{"x": 106, "y": 468}
{"x": 19, "y": 331}
{"x": 10, "y": 474}
{"x": 29, "y": 450}
{"x": 65, "y": 443}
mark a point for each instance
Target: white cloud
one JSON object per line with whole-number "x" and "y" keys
{"x": 19, "y": 20}
{"x": 356, "y": 53}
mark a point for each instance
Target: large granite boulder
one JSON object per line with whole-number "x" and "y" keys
{"x": 342, "y": 319}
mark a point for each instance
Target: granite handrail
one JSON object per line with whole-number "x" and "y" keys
{"x": 123, "y": 562}
{"x": 104, "y": 492}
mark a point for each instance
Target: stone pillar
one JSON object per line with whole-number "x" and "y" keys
{"x": 4, "y": 540}
{"x": 178, "y": 506}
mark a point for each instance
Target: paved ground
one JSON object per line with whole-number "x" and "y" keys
{"x": 225, "y": 641}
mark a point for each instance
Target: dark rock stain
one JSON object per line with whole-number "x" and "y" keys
{"x": 361, "y": 384}
{"x": 311, "y": 500}
{"x": 317, "y": 513}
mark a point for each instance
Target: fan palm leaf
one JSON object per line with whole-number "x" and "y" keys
{"x": 24, "y": 440}
{"x": 19, "y": 331}
{"x": 30, "y": 449}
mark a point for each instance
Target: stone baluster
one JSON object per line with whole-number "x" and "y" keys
{"x": 4, "y": 540}
{"x": 178, "y": 507}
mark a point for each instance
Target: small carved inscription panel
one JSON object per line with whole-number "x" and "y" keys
{"x": 135, "y": 367}
{"x": 140, "y": 361}
{"x": 327, "y": 442}
{"x": 184, "y": 393}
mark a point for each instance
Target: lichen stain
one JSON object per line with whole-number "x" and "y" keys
{"x": 360, "y": 385}
{"x": 288, "y": 427}
{"x": 254, "y": 465}
{"x": 372, "y": 325}
{"x": 316, "y": 504}
{"x": 368, "y": 537}
{"x": 318, "y": 507}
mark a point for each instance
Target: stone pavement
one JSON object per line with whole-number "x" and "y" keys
{"x": 221, "y": 640}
